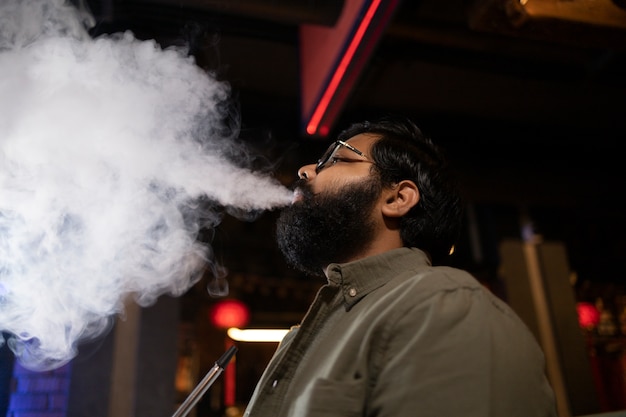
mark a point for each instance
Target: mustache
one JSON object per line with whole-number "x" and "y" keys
{"x": 303, "y": 186}
{"x": 300, "y": 183}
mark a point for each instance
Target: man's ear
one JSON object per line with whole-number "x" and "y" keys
{"x": 400, "y": 198}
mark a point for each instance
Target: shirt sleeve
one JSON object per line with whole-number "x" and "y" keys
{"x": 460, "y": 353}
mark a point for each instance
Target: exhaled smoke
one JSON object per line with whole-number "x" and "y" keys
{"x": 106, "y": 147}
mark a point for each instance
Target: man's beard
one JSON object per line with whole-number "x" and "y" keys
{"x": 328, "y": 227}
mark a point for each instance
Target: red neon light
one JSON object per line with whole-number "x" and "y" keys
{"x": 324, "y": 102}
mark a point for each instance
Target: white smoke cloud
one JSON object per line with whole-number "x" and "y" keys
{"x": 107, "y": 146}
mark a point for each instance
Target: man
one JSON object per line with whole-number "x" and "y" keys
{"x": 391, "y": 334}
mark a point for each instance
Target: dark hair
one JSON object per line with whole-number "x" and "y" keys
{"x": 403, "y": 152}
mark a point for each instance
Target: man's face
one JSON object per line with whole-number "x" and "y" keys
{"x": 332, "y": 219}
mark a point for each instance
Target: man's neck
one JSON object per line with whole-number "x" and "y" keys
{"x": 389, "y": 241}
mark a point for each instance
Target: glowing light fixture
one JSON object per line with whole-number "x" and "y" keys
{"x": 256, "y": 335}
{"x": 598, "y": 13}
{"x": 341, "y": 70}
{"x": 229, "y": 313}
{"x": 332, "y": 59}
{"x": 588, "y": 315}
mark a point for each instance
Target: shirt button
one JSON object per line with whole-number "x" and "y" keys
{"x": 352, "y": 292}
{"x": 274, "y": 383}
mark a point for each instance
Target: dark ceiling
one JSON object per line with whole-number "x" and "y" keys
{"x": 540, "y": 91}
{"x": 530, "y": 103}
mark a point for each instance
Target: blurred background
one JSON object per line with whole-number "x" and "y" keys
{"x": 528, "y": 97}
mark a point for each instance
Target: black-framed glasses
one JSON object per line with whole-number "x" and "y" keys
{"x": 332, "y": 150}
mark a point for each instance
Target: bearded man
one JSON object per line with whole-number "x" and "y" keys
{"x": 392, "y": 333}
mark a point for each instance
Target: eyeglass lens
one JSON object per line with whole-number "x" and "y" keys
{"x": 327, "y": 155}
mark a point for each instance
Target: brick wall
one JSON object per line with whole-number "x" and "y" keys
{"x": 39, "y": 394}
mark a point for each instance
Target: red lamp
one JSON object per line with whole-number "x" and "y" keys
{"x": 229, "y": 313}
{"x": 588, "y": 315}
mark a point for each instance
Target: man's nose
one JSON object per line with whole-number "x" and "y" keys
{"x": 307, "y": 172}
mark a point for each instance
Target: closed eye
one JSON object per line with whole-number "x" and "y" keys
{"x": 336, "y": 159}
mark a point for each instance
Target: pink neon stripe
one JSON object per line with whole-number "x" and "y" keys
{"x": 322, "y": 106}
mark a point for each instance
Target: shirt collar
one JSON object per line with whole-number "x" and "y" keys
{"x": 358, "y": 278}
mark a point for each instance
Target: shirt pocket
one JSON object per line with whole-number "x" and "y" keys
{"x": 329, "y": 398}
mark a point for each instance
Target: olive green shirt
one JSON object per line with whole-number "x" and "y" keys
{"x": 391, "y": 335}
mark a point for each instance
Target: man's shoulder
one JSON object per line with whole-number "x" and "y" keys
{"x": 437, "y": 278}
{"x": 428, "y": 284}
